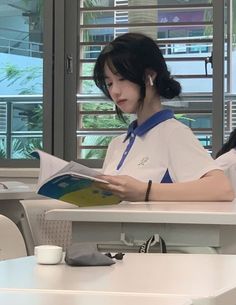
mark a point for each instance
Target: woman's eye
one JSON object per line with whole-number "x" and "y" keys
{"x": 121, "y": 79}
{"x": 108, "y": 85}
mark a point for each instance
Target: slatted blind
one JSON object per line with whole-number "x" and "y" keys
{"x": 182, "y": 29}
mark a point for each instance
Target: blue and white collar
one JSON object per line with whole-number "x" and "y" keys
{"x": 151, "y": 122}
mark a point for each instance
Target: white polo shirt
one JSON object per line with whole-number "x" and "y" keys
{"x": 227, "y": 162}
{"x": 161, "y": 149}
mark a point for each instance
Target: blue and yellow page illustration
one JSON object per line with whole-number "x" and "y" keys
{"x": 77, "y": 190}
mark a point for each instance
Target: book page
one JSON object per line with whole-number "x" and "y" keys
{"x": 82, "y": 170}
{"x": 49, "y": 165}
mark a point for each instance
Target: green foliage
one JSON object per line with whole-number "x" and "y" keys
{"x": 25, "y": 79}
{"x": 88, "y": 86}
{"x": 34, "y": 143}
{"x": 182, "y": 117}
{"x": 95, "y": 141}
{"x": 3, "y": 154}
{"x": 21, "y": 148}
{"x": 35, "y": 120}
{"x": 28, "y": 79}
{"x": 96, "y": 121}
{"x": 108, "y": 121}
{"x": 17, "y": 149}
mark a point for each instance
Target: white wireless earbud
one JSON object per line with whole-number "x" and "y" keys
{"x": 150, "y": 80}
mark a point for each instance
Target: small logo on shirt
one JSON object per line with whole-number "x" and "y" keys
{"x": 143, "y": 161}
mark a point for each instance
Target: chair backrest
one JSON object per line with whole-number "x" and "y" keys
{"x": 45, "y": 232}
{"x": 12, "y": 244}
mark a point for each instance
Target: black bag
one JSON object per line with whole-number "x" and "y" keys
{"x": 154, "y": 240}
{"x": 86, "y": 254}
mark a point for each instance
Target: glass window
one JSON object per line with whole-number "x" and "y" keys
{"x": 21, "y": 77}
{"x": 183, "y": 30}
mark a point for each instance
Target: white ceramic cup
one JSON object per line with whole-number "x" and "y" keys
{"x": 48, "y": 254}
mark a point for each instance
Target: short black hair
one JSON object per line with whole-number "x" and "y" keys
{"x": 231, "y": 143}
{"x": 130, "y": 55}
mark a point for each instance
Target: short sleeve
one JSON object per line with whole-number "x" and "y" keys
{"x": 188, "y": 160}
{"x": 227, "y": 160}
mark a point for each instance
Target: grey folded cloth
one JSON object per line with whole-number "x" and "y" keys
{"x": 86, "y": 254}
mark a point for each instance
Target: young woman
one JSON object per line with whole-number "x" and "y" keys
{"x": 159, "y": 158}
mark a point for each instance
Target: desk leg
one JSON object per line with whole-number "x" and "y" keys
{"x": 227, "y": 239}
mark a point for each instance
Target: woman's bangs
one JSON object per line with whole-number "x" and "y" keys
{"x": 110, "y": 64}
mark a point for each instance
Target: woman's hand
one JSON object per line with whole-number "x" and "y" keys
{"x": 126, "y": 187}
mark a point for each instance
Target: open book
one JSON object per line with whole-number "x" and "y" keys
{"x": 71, "y": 182}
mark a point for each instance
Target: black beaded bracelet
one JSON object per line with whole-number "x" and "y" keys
{"x": 148, "y": 190}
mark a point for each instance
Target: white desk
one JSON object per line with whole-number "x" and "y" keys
{"x": 18, "y": 193}
{"x": 87, "y": 298}
{"x": 205, "y": 279}
{"x": 192, "y": 224}
{"x": 9, "y": 201}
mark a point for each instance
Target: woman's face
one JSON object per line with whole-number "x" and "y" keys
{"x": 124, "y": 93}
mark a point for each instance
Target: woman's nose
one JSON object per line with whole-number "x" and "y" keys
{"x": 115, "y": 90}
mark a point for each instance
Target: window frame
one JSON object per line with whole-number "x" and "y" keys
{"x": 218, "y": 79}
{"x": 61, "y": 64}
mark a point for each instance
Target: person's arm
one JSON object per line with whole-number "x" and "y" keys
{"x": 213, "y": 186}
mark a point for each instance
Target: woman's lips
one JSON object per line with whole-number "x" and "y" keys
{"x": 120, "y": 102}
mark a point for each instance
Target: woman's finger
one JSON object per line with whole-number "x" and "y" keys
{"x": 109, "y": 187}
{"x": 111, "y": 179}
